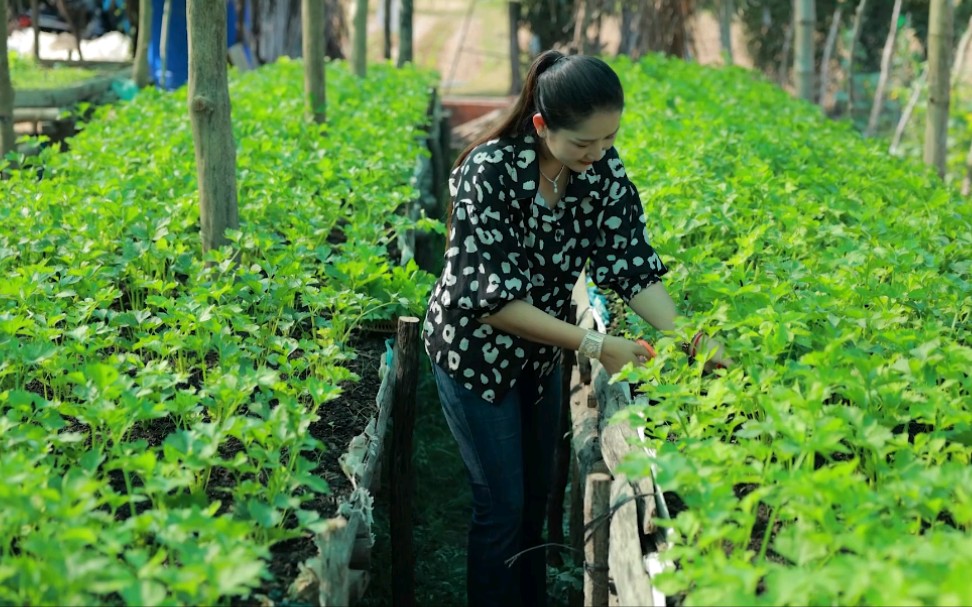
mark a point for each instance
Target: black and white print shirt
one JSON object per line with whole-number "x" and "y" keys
{"x": 505, "y": 244}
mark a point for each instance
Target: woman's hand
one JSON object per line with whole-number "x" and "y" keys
{"x": 718, "y": 359}
{"x": 617, "y": 352}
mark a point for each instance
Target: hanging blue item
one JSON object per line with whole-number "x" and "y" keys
{"x": 177, "y": 44}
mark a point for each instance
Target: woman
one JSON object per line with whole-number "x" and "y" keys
{"x": 533, "y": 202}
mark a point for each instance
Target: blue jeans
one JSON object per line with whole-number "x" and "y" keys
{"x": 508, "y": 450}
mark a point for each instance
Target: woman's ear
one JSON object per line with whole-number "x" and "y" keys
{"x": 538, "y": 123}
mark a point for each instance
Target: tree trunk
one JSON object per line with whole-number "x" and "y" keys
{"x": 279, "y": 33}
{"x": 784, "y": 72}
{"x": 516, "y": 78}
{"x": 664, "y": 27}
{"x": 405, "y": 33}
{"x": 886, "y": 58}
{"x": 140, "y": 67}
{"x": 828, "y": 54}
{"x": 630, "y": 17}
{"x": 918, "y": 86}
{"x": 855, "y": 36}
{"x": 312, "y": 12}
{"x": 388, "y": 29}
{"x": 805, "y": 21}
{"x": 6, "y": 87}
{"x": 212, "y": 129}
{"x": 727, "y": 11}
{"x": 582, "y": 22}
{"x": 967, "y": 182}
{"x": 164, "y": 43}
{"x": 939, "y": 84}
{"x": 360, "y": 53}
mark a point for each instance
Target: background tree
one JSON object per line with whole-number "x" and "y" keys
{"x": 804, "y": 27}
{"x": 516, "y": 76}
{"x": 405, "y": 33}
{"x": 277, "y": 29}
{"x": 212, "y": 129}
{"x": 727, "y": 13}
{"x": 939, "y": 83}
{"x": 314, "y": 71}
{"x": 360, "y": 52}
{"x": 6, "y": 87}
{"x": 886, "y": 59}
{"x": 140, "y": 66}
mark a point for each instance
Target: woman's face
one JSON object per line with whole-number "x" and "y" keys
{"x": 585, "y": 144}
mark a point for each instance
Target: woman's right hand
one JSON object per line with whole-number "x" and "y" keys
{"x": 617, "y": 352}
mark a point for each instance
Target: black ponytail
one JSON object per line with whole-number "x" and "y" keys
{"x": 565, "y": 89}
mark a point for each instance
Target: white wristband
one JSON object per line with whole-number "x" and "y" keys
{"x": 591, "y": 345}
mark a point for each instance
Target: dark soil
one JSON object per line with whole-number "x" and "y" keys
{"x": 341, "y": 420}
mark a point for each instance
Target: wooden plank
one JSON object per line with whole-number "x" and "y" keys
{"x": 555, "y": 504}
{"x": 402, "y": 478}
{"x": 625, "y": 561}
{"x": 335, "y": 544}
{"x": 597, "y": 498}
{"x": 64, "y": 96}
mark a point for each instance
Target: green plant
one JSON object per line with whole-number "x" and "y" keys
{"x": 831, "y": 464}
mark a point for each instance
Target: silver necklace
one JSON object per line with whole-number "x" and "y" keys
{"x": 554, "y": 181}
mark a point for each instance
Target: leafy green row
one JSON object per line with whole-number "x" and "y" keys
{"x": 26, "y": 74}
{"x": 155, "y": 405}
{"x": 831, "y": 464}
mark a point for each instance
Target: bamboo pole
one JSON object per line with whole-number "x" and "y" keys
{"x": 939, "y": 84}
{"x": 803, "y": 58}
{"x": 828, "y": 53}
{"x": 855, "y": 35}
{"x": 212, "y": 129}
{"x": 315, "y": 93}
{"x": 402, "y": 473}
{"x": 886, "y": 58}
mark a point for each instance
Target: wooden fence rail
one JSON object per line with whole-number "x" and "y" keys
{"x": 611, "y": 516}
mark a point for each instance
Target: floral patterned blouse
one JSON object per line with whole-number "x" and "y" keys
{"x": 505, "y": 245}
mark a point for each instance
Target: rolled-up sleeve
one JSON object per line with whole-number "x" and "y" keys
{"x": 623, "y": 259}
{"x": 485, "y": 266}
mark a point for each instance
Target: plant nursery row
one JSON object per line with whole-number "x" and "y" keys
{"x": 155, "y": 403}
{"x": 830, "y": 464}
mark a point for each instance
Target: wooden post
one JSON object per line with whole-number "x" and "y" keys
{"x": 597, "y": 501}
{"x": 360, "y": 53}
{"x": 35, "y": 25}
{"x": 212, "y": 129}
{"x": 555, "y": 505}
{"x": 886, "y": 59}
{"x": 405, "y": 33}
{"x": 6, "y": 88}
{"x": 312, "y": 22}
{"x": 387, "y": 25}
{"x": 626, "y": 562}
{"x": 140, "y": 66}
{"x": 939, "y": 84}
{"x": 402, "y": 474}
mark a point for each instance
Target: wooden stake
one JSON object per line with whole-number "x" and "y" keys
{"x": 402, "y": 474}
{"x": 597, "y": 500}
